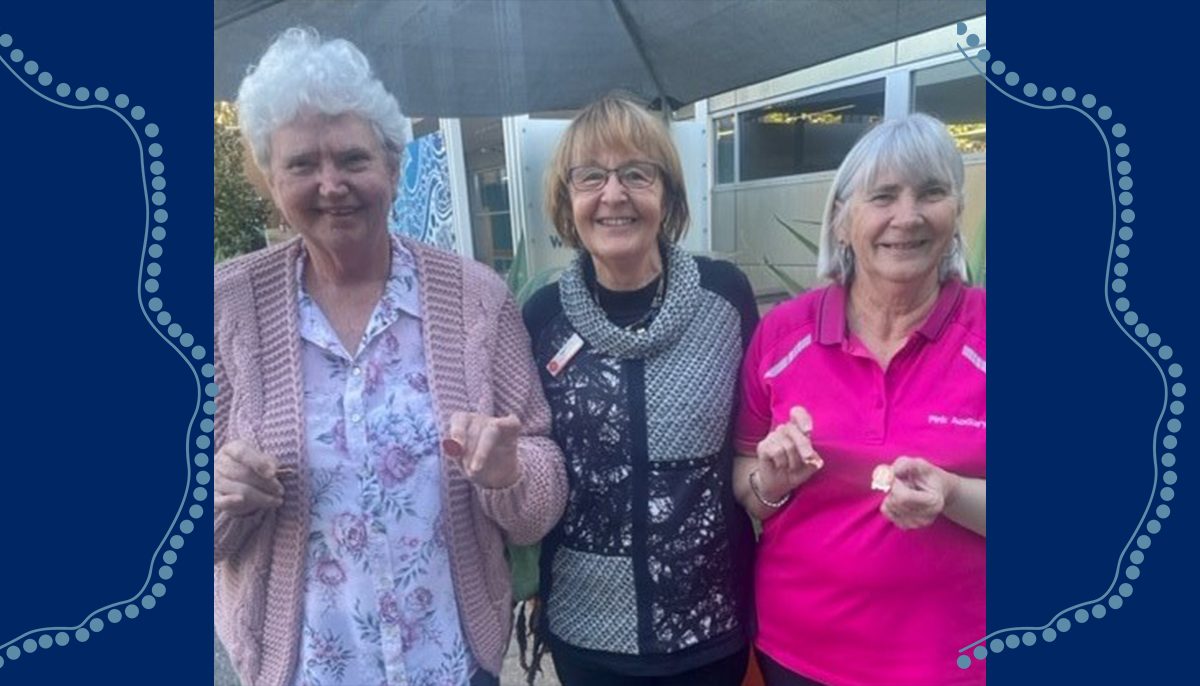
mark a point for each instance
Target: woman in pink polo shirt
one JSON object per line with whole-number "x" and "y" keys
{"x": 862, "y": 433}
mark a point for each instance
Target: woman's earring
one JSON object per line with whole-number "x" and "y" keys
{"x": 845, "y": 259}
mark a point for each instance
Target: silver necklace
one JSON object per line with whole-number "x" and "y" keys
{"x": 643, "y": 321}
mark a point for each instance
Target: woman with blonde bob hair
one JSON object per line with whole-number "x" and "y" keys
{"x": 613, "y": 123}
{"x": 863, "y": 429}
{"x": 645, "y": 578}
{"x": 380, "y": 428}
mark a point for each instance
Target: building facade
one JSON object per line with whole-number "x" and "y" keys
{"x": 758, "y": 161}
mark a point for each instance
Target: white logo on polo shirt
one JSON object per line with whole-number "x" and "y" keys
{"x": 970, "y": 422}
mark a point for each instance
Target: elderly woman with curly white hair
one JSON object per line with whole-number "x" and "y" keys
{"x": 381, "y": 430}
{"x": 863, "y": 433}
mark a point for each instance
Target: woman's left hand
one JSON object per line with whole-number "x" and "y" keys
{"x": 919, "y": 493}
{"x": 485, "y": 448}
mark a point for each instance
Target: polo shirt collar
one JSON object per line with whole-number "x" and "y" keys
{"x": 831, "y": 323}
{"x": 943, "y": 310}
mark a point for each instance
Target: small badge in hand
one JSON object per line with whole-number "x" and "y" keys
{"x": 882, "y": 478}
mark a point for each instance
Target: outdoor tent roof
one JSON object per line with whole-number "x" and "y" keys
{"x": 459, "y": 58}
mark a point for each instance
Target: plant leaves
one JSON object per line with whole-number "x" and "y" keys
{"x": 793, "y": 286}
{"x": 812, "y": 247}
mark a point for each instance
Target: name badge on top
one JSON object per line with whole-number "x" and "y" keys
{"x": 564, "y": 354}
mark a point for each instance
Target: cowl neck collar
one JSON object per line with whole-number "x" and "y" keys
{"x": 680, "y": 304}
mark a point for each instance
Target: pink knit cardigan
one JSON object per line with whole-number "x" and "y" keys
{"x": 478, "y": 359}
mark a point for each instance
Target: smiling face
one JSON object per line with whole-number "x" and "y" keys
{"x": 331, "y": 179}
{"x": 899, "y": 231}
{"x": 619, "y": 226}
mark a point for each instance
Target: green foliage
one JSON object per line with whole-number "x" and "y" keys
{"x": 793, "y": 287}
{"x": 977, "y": 258}
{"x": 804, "y": 240}
{"x": 523, "y": 559}
{"x": 523, "y": 284}
{"x": 523, "y": 565}
{"x": 516, "y": 276}
{"x": 240, "y": 214}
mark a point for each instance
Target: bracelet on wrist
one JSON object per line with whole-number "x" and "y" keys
{"x": 773, "y": 504}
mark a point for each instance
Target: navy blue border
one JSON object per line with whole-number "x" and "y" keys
{"x": 1075, "y": 409}
{"x": 105, "y": 484}
{"x": 1081, "y": 446}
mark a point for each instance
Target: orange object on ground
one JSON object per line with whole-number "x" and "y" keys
{"x": 754, "y": 675}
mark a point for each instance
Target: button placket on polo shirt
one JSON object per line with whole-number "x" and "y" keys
{"x": 877, "y": 427}
{"x": 899, "y": 371}
{"x": 873, "y": 407}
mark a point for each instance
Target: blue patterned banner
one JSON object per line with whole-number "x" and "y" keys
{"x": 423, "y": 209}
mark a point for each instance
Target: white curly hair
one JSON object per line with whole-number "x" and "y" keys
{"x": 298, "y": 74}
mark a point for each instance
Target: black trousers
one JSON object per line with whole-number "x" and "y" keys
{"x": 727, "y": 671}
{"x": 775, "y": 674}
{"x": 482, "y": 677}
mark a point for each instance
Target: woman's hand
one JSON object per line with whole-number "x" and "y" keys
{"x": 786, "y": 457}
{"x": 920, "y": 492}
{"x": 245, "y": 480}
{"x": 485, "y": 448}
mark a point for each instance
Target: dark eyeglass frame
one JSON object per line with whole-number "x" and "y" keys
{"x": 652, "y": 170}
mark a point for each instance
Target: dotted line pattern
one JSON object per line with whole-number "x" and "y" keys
{"x": 1150, "y": 343}
{"x": 42, "y": 84}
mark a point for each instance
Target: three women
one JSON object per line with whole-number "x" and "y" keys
{"x": 380, "y": 427}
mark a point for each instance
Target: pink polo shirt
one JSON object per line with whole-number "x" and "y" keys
{"x": 843, "y": 595}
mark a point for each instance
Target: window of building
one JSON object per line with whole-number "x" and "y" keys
{"x": 955, "y": 94}
{"x": 809, "y": 134}
{"x": 723, "y": 142}
{"x": 685, "y": 113}
{"x": 491, "y": 221}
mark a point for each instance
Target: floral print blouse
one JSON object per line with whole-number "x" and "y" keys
{"x": 379, "y": 605}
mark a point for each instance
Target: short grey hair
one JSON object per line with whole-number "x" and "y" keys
{"x": 919, "y": 149}
{"x": 300, "y": 74}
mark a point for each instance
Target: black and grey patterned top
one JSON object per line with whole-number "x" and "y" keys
{"x": 649, "y": 570}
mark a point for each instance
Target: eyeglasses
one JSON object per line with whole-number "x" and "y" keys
{"x": 634, "y": 176}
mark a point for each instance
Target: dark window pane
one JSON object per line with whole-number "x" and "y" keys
{"x": 808, "y": 134}
{"x": 491, "y": 224}
{"x": 423, "y": 126}
{"x": 493, "y": 190}
{"x": 502, "y": 234}
{"x": 954, "y": 93}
